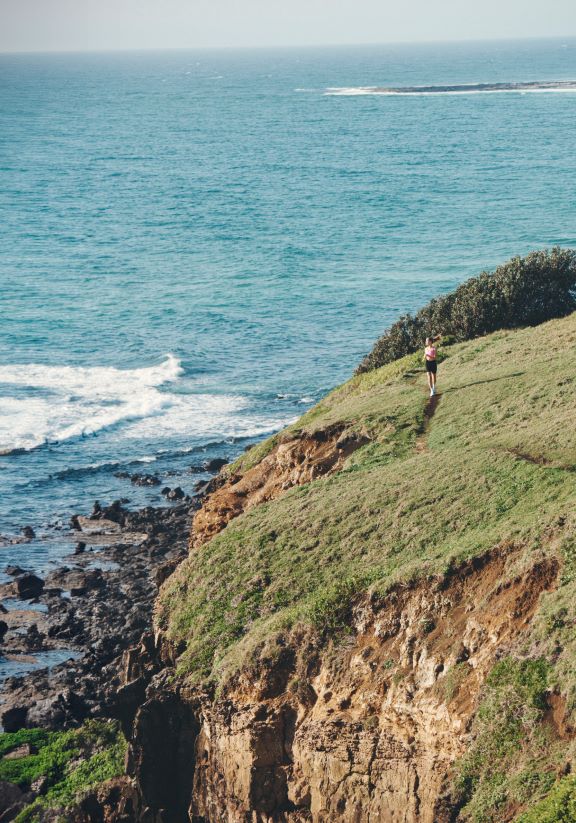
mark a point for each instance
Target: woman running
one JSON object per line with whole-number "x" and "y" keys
{"x": 431, "y": 364}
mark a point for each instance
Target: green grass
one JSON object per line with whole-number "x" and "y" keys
{"x": 394, "y": 512}
{"x": 358, "y": 403}
{"x": 509, "y": 757}
{"x": 496, "y": 464}
{"x": 71, "y": 762}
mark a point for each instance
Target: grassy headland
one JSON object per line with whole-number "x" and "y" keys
{"x": 491, "y": 461}
{"x": 496, "y": 463}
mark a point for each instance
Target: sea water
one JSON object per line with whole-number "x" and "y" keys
{"x": 196, "y": 246}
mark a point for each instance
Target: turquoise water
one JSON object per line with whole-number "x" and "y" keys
{"x": 196, "y": 246}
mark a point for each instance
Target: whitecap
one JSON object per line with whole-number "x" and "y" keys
{"x": 68, "y": 402}
{"x": 77, "y": 401}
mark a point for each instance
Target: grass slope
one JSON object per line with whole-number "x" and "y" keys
{"x": 497, "y": 462}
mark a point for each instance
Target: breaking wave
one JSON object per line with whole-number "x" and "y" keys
{"x": 42, "y": 405}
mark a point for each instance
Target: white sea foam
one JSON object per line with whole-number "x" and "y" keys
{"x": 359, "y": 91}
{"x": 50, "y": 404}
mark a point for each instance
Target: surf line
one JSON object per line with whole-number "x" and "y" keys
{"x": 463, "y": 88}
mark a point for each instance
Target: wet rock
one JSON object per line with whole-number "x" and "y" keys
{"x": 14, "y": 570}
{"x": 97, "y": 525}
{"x": 80, "y": 548}
{"x": 3, "y": 629}
{"x": 114, "y": 512}
{"x": 34, "y": 639}
{"x": 28, "y": 532}
{"x": 144, "y": 480}
{"x": 83, "y": 581}
{"x": 174, "y": 494}
{"x": 107, "y": 612}
{"x": 215, "y": 464}
{"x": 27, "y": 586}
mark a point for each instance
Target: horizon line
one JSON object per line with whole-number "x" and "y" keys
{"x": 288, "y": 46}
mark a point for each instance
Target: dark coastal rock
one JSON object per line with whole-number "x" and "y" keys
{"x": 114, "y": 512}
{"x": 28, "y": 586}
{"x": 115, "y": 800}
{"x": 57, "y": 710}
{"x": 174, "y": 494}
{"x": 12, "y": 801}
{"x": 14, "y": 718}
{"x": 107, "y": 612}
{"x": 81, "y": 582}
{"x": 9, "y": 794}
{"x": 3, "y": 629}
{"x": 215, "y": 464}
{"x": 34, "y": 639}
{"x": 145, "y": 480}
{"x": 14, "y": 570}
{"x": 80, "y": 548}
{"x": 28, "y": 532}
{"x": 139, "y": 479}
{"x": 164, "y": 571}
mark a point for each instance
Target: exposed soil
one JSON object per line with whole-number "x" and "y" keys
{"x": 290, "y": 463}
{"x": 365, "y": 729}
{"x": 429, "y": 412}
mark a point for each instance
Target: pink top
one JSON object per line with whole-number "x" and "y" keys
{"x": 430, "y": 352}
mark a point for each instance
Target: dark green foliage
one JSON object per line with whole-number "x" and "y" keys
{"x": 524, "y": 291}
{"x": 12, "y": 740}
{"x": 71, "y": 761}
{"x": 558, "y": 807}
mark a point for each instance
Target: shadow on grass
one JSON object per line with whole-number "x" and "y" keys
{"x": 482, "y": 382}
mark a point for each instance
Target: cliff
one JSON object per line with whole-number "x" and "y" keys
{"x": 376, "y": 617}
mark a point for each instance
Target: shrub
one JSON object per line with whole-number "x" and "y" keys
{"x": 524, "y": 291}
{"x": 558, "y": 807}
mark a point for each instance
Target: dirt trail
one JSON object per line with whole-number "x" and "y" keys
{"x": 429, "y": 412}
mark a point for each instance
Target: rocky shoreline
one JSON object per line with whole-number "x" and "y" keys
{"x": 96, "y": 607}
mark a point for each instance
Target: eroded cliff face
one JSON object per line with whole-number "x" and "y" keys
{"x": 292, "y": 462}
{"x": 364, "y": 729}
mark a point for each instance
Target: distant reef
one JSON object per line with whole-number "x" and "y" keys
{"x": 537, "y": 85}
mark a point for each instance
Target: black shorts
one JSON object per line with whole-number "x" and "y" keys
{"x": 431, "y": 366}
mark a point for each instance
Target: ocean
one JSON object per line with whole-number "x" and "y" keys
{"x": 196, "y": 246}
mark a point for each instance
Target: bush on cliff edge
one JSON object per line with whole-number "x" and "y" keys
{"x": 525, "y": 291}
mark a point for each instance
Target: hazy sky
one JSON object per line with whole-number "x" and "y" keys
{"x": 27, "y": 25}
